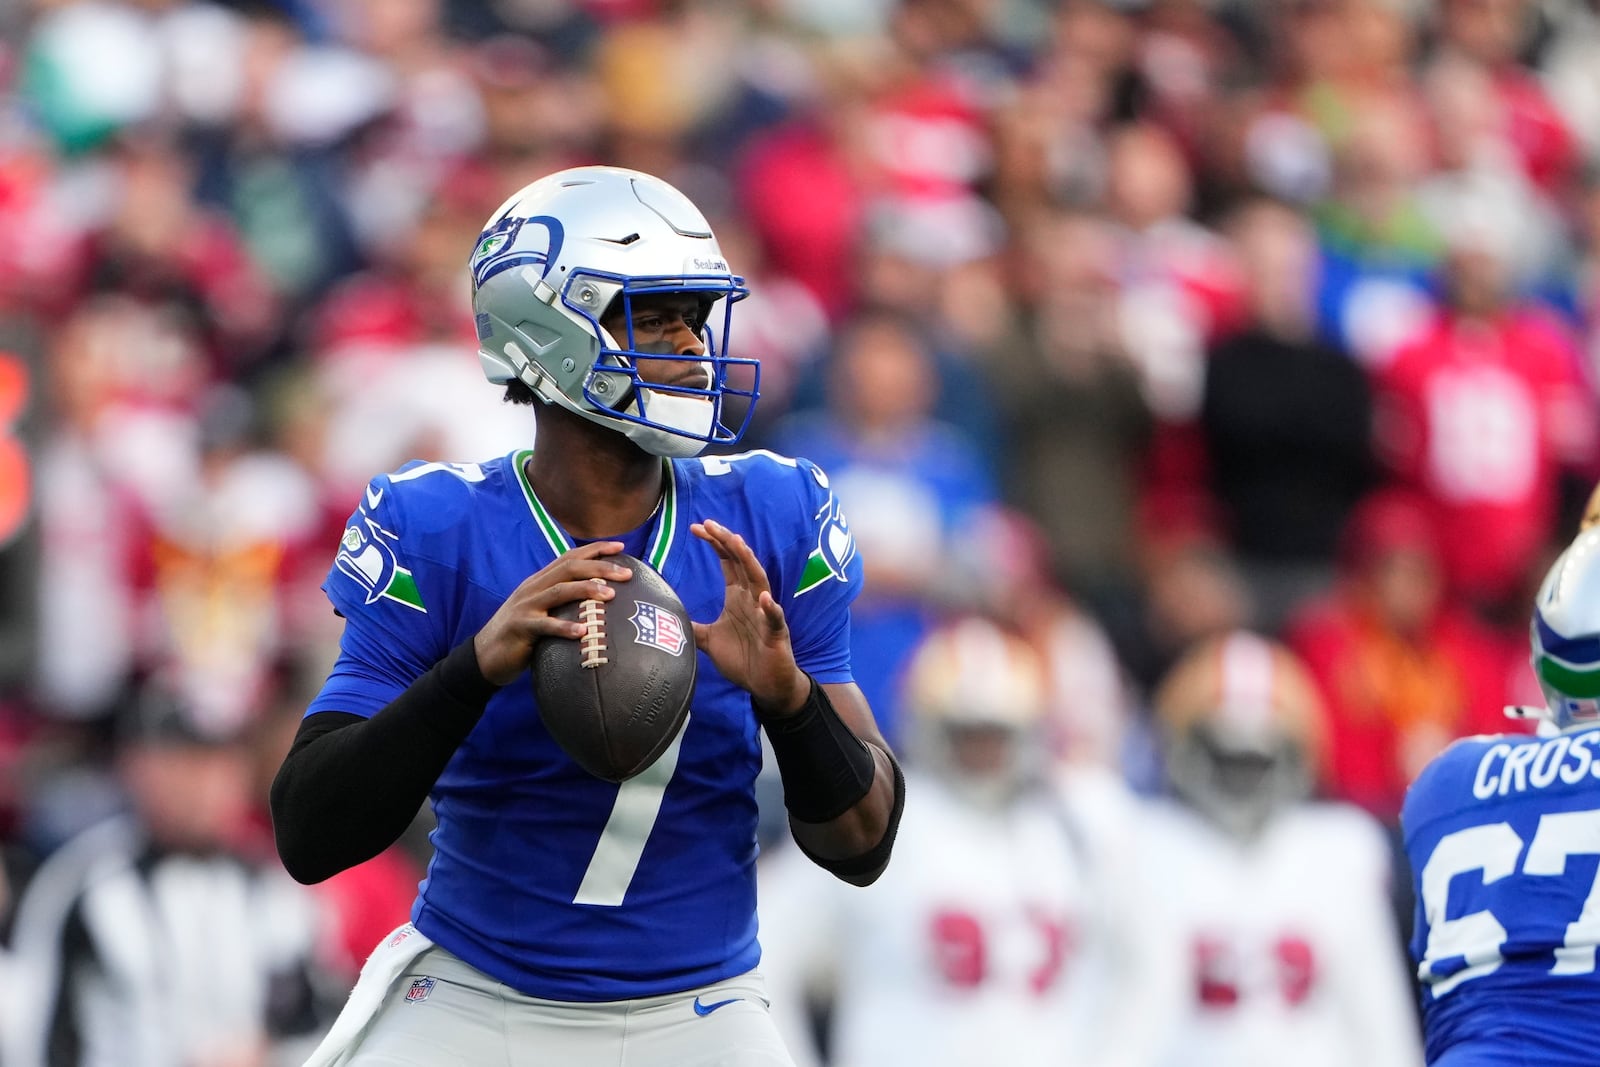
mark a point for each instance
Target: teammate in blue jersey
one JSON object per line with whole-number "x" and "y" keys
{"x": 1503, "y": 835}
{"x": 565, "y": 919}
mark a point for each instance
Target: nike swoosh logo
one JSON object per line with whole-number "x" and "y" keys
{"x": 707, "y": 1009}
{"x": 374, "y": 497}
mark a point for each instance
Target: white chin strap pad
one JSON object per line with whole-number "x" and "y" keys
{"x": 674, "y": 416}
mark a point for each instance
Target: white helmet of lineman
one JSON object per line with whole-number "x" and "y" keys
{"x": 976, "y": 694}
{"x": 558, "y": 255}
{"x": 1241, "y": 722}
{"x": 1565, "y": 636}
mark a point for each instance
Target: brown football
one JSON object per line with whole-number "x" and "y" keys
{"x": 617, "y": 697}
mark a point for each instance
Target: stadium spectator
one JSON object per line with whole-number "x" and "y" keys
{"x": 1090, "y": 718}
{"x": 1286, "y": 421}
{"x": 1402, "y": 668}
{"x": 911, "y": 483}
{"x": 1485, "y": 412}
{"x": 1075, "y": 421}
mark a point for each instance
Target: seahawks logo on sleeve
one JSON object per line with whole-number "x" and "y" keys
{"x": 835, "y": 546}
{"x": 367, "y": 556}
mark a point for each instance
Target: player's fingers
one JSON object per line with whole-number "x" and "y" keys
{"x": 710, "y": 536}
{"x": 575, "y": 568}
{"x": 713, "y": 533}
{"x": 751, "y": 573}
{"x": 717, "y": 537}
{"x": 553, "y": 626}
{"x": 593, "y": 550}
{"x": 552, "y": 597}
{"x": 772, "y": 612}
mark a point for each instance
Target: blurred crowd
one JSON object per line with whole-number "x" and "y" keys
{"x": 1125, "y": 325}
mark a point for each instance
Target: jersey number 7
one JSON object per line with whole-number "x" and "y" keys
{"x": 633, "y": 815}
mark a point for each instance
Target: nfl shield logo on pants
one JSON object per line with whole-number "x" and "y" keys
{"x": 420, "y": 988}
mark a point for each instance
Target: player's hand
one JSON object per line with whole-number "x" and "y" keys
{"x": 505, "y": 644}
{"x": 749, "y": 641}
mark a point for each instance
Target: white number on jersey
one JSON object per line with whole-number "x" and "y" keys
{"x": 715, "y": 465}
{"x": 1485, "y": 435}
{"x": 1494, "y": 849}
{"x": 467, "y": 472}
{"x": 633, "y": 816}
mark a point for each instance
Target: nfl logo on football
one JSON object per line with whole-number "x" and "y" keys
{"x": 420, "y": 988}
{"x": 657, "y": 627}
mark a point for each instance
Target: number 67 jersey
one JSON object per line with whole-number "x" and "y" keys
{"x": 1503, "y": 836}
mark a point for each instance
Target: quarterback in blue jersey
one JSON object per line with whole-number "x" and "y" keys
{"x": 566, "y": 919}
{"x": 1503, "y": 835}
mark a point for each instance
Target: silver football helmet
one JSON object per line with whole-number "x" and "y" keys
{"x": 558, "y": 256}
{"x": 1565, "y": 635}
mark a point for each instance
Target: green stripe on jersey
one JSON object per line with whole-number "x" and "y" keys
{"x": 666, "y": 523}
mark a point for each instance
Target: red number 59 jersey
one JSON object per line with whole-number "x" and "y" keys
{"x": 1290, "y": 943}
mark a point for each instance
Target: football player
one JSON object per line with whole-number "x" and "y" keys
{"x": 1007, "y": 931}
{"x": 1503, "y": 835}
{"x": 1281, "y": 905}
{"x": 566, "y": 919}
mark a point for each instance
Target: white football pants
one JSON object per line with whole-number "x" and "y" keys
{"x": 463, "y": 1018}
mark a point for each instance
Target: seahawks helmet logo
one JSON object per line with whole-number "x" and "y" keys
{"x": 487, "y": 247}
{"x": 498, "y": 247}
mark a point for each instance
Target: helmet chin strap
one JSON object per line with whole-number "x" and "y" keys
{"x": 675, "y": 417}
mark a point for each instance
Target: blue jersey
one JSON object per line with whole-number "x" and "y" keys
{"x": 1503, "y": 836}
{"x": 557, "y": 883}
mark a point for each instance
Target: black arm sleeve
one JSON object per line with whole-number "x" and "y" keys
{"x": 350, "y": 786}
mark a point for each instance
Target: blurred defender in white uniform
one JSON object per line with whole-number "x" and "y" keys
{"x": 1281, "y": 904}
{"x": 1008, "y": 930}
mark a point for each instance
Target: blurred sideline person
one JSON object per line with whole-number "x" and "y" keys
{"x": 567, "y": 920}
{"x": 1006, "y": 931}
{"x": 151, "y": 940}
{"x": 1503, "y": 835}
{"x": 1282, "y": 905}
